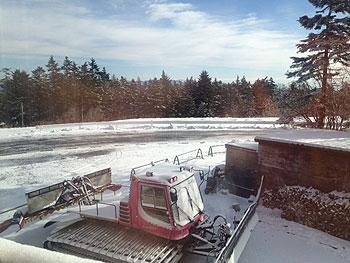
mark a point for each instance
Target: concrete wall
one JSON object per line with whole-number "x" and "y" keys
{"x": 288, "y": 164}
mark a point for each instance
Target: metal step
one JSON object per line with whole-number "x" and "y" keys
{"x": 124, "y": 213}
{"x": 112, "y": 242}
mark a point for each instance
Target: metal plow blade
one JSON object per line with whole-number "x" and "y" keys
{"x": 66, "y": 192}
{"x": 101, "y": 178}
{"x": 43, "y": 198}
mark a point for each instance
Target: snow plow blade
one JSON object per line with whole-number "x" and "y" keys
{"x": 112, "y": 242}
{"x": 53, "y": 195}
{"x": 44, "y": 197}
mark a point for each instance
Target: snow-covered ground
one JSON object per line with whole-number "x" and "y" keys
{"x": 138, "y": 125}
{"x": 35, "y": 157}
{"x": 277, "y": 240}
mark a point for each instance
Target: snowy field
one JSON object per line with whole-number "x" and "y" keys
{"x": 137, "y": 125}
{"x": 35, "y": 157}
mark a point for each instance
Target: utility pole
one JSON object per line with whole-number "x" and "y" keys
{"x": 22, "y": 114}
{"x": 82, "y": 114}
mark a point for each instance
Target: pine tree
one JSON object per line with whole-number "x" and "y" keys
{"x": 16, "y": 95}
{"x": 2, "y": 108}
{"x": 96, "y": 86}
{"x": 84, "y": 100}
{"x": 326, "y": 49}
{"x": 264, "y": 91}
{"x": 105, "y": 94}
{"x": 169, "y": 95}
{"x": 95, "y": 73}
{"x": 155, "y": 99}
{"x": 67, "y": 66}
{"x": 104, "y": 75}
{"x": 203, "y": 95}
{"x": 126, "y": 99}
{"x": 219, "y": 101}
{"x": 3, "y": 82}
{"x": 133, "y": 99}
{"x": 117, "y": 101}
{"x": 246, "y": 103}
{"x": 107, "y": 99}
{"x": 184, "y": 103}
{"x": 56, "y": 101}
{"x": 69, "y": 88}
{"x": 74, "y": 92}
{"x": 39, "y": 93}
{"x": 229, "y": 105}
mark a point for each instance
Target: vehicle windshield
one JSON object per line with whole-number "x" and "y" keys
{"x": 189, "y": 202}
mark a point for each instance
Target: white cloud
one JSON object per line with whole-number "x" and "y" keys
{"x": 170, "y": 34}
{"x": 163, "y": 10}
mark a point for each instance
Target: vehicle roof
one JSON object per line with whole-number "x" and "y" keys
{"x": 164, "y": 173}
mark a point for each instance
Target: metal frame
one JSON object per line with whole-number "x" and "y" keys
{"x": 227, "y": 251}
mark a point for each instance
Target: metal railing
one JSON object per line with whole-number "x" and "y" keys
{"x": 211, "y": 151}
{"x": 199, "y": 155}
{"x": 133, "y": 170}
{"x": 103, "y": 203}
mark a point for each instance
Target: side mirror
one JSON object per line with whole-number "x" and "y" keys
{"x": 201, "y": 175}
{"x": 173, "y": 195}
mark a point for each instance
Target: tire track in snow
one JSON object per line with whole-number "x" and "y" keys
{"x": 98, "y": 162}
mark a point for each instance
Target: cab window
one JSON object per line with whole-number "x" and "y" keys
{"x": 153, "y": 197}
{"x": 154, "y": 202}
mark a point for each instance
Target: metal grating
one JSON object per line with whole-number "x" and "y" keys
{"x": 113, "y": 242}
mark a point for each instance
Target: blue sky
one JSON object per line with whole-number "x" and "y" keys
{"x": 135, "y": 38}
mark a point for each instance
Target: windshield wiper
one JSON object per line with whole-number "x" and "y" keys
{"x": 191, "y": 200}
{"x": 182, "y": 211}
{"x": 188, "y": 217}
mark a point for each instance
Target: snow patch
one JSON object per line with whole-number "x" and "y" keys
{"x": 29, "y": 254}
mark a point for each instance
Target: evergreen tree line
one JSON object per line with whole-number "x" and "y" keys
{"x": 72, "y": 93}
